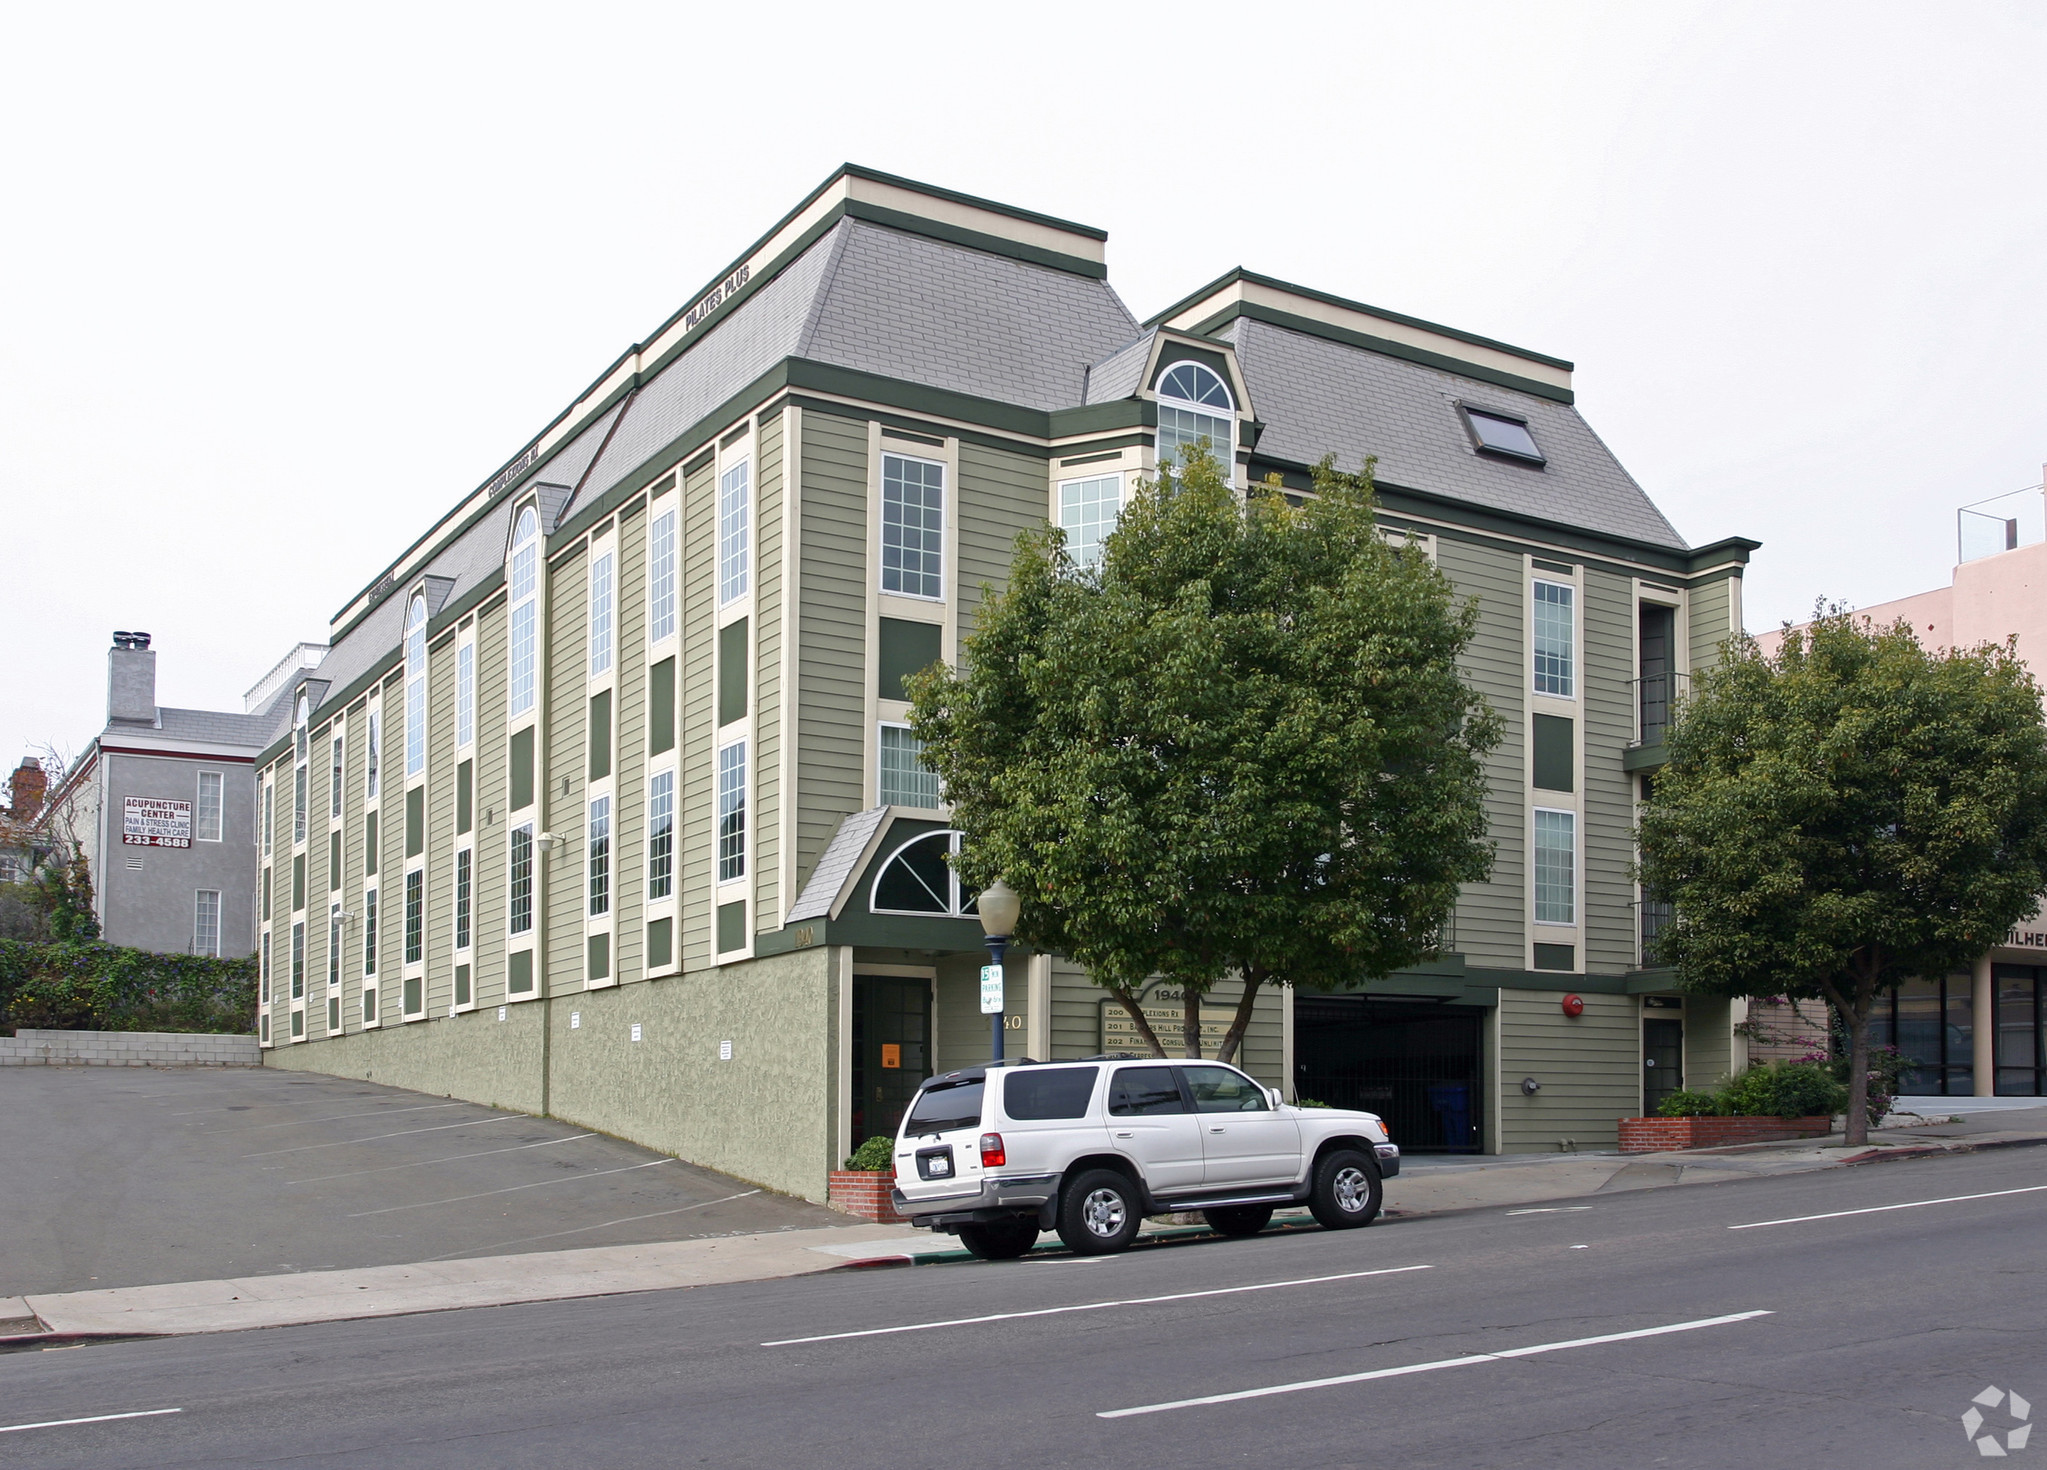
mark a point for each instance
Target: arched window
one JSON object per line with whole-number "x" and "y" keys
{"x": 917, "y": 879}
{"x": 415, "y": 686}
{"x": 525, "y": 579}
{"x": 1195, "y": 405}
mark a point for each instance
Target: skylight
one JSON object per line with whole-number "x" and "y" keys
{"x": 1501, "y": 434}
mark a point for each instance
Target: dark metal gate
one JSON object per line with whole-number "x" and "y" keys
{"x": 1417, "y": 1064}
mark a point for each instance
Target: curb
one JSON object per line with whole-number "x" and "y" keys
{"x": 27, "y": 1342}
{"x": 1924, "y": 1150}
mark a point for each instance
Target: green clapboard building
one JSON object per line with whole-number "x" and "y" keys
{"x": 603, "y": 803}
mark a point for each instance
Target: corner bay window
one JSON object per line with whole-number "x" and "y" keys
{"x": 1556, "y": 867}
{"x": 1088, "y": 510}
{"x": 1555, "y": 639}
{"x": 912, "y": 526}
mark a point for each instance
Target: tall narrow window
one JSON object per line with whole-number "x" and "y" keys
{"x": 1555, "y": 639}
{"x": 465, "y": 694}
{"x": 374, "y": 756}
{"x": 415, "y": 916}
{"x": 333, "y": 945}
{"x": 298, "y": 961}
{"x": 732, "y": 812}
{"x": 905, "y": 779}
{"x": 603, "y": 607}
{"x": 465, "y": 883}
{"x": 1087, "y": 514}
{"x": 263, "y": 966}
{"x": 521, "y": 873}
{"x": 268, "y": 790}
{"x": 525, "y": 611}
{"x": 600, "y": 856}
{"x": 661, "y": 577}
{"x": 335, "y": 783}
{"x": 661, "y": 834}
{"x": 1556, "y": 867}
{"x": 206, "y": 922}
{"x": 369, "y": 931}
{"x": 735, "y": 511}
{"x": 912, "y": 526}
{"x": 415, "y": 687}
{"x": 1194, "y": 406}
{"x": 206, "y": 809}
{"x": 298, "y": 805}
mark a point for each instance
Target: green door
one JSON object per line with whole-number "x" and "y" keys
{"x": 1663, "y": 1062}
{"x": 891, "y": 1050}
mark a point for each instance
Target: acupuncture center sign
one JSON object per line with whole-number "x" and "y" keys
{"x": 152, "y": 821}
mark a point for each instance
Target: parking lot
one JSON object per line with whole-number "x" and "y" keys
{"x": 132, "y": 1177}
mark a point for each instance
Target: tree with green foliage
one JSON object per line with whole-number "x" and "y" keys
{"x": 1845, "y": 815}
{"x": 1239, "y": 742}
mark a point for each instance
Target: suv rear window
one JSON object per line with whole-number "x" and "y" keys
{"x": 1141, "y": 1090}
{"x": 1056, "y": 1092}
{"x": 942, "y": 1109}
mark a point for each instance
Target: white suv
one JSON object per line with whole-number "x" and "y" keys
{"x": 996, "y": 1154}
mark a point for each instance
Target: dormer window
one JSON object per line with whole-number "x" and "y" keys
{"x": 1195, "y": 405}
{"x": 1503, "y": 434}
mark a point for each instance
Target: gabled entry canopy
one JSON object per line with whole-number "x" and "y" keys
{"x": 884, "y": 880}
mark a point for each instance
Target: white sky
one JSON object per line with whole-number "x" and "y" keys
{"x": 278, "y": 284}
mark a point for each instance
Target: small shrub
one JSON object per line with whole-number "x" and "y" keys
{"x": 1785, "y": 1090}
{"x": 876, "y": 1156}
{"x": 1309, "y": 1102}
{"x": 1686, "y": 1102}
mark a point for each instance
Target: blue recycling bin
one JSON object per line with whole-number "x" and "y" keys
{"x": 1452, "y": 1102}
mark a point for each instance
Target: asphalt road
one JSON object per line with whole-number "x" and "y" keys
{"x": 1881, "y": 1327}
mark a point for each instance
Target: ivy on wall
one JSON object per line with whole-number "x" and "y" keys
{"x": 108, "y": 987}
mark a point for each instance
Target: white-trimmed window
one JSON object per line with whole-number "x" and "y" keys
{"x": 415, "y": 916}
{"x": 523, "y": 682}
{"x": 465, "y": 895}
{"x": 661, "y": 577}
{"x": 1088, "y": 510}
{"x": 298, "y": 960}
{"x": 599, "y": 853}
{"x": 415, "y": 687}
{"x": 1556, "y": 866}
{"x": 912, "y": 526}
{"x": 206, "y": 807}
{"x": 735, "y": 529}
{"x": 369, "y": 931}
{"x": 603, "y": 612}
{"x": 732, "y": 811}
{"x": 519, "y": 909}
{"x": 905, "y": 779}
{"x": 1195, "y": 404}
{"x": 374, "y": 756}
{"x": 1555, "y": 638}
{"x": 301, "y": 773}
{"x": 333, "y": 945}
{"x": 263, "y": 967}
{"x": 661, "y": 835}
{"x": 206, "y": 921}
{"x": 336, "y": 775}
{"x": 269, "y": 791}
{"x": 465, "y": 693}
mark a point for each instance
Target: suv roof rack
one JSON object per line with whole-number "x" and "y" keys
{"x": 1122, "y": 1056}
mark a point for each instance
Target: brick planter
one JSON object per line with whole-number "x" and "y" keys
{"x": 1654, "y": 1135}
{"x": 865, "y": 1193}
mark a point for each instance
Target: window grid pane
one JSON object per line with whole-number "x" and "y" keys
{"x": 661, "y": 578}
{"x": 601, "y": 601}
{"x": 206, "y": 811}
{"x": 1087, "y": 514}
{"x": 369, "y": 932}
{"x": 905, "y": 779}
{"x": 735, "y": 495}
{"x": 298, "y": 961}
{"x": 333, "y": 944}
{"x": 732, "y": 812}
{"x": 465, "y": 694}
{"x": 522, "y": 880}
{"x": 523, "y": 620}
{"x": 415, "y": 688}
{"x": 375, "y": 756}
{"x": 661, "y": 835}
{"x": 1553, "y": 639}
{"x": 464, "y": 883}
{"x": 263, "y": 966}
{"x": 600, "y": 856}
{"x": 298, "y": 806}
{"x": 1180, "y": 428}
{"x": 1556, "y": 863}
{"x": 415, "y": 916}
{"x": 336, "y": 771}
{"x": 206, "y": 922}
{"x": 912, "y": 526}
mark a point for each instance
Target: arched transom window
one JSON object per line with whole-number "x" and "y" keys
{"x": 917, "y": 879}
{"x": 1194, "y": 404}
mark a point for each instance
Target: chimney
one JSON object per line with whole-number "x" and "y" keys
{"x": 26, "y": 788}
{"x": 131, "y": 679}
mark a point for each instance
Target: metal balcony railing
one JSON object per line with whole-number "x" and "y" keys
{"x": 1656, "y": 696}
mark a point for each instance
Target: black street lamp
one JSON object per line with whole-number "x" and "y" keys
{"x": 998, "y": 907}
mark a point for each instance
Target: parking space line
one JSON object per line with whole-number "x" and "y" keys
{"x": 451, "y": 1158}
{"x": 401, "y": 1133}
{"x": 339, "y": 1117}
{"x": 1469, "y": 1358}
{"x": 1136, "y": 1301}
{"x": 471, "y": 1250}
{"x": 89, "y": 1419}
{"x": 512, "y": 1189}
{"x": 1953, "y": 1199}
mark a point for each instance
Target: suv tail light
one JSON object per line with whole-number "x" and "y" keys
{"x": 992, "y": 1155}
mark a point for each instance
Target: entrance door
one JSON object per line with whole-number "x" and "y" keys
{"x": 1663, "y": 1062}
{"x": 891, "y": 1050}
{"x": 1414, "y": 1063}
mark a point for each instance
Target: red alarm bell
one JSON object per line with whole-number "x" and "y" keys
{"x": 1573, "y": 1006}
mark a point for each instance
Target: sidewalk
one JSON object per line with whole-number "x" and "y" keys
{"x": 1425, "y": 1186}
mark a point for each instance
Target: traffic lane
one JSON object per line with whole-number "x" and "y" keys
{"x": 644, "y": 1376}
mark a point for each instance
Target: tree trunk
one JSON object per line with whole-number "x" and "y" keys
{"x": 1856, "y": 1129}
{"x": 1254, "y": 977}
{"x": 1137, "y": 1015}
{"x": 1190, "y": 998}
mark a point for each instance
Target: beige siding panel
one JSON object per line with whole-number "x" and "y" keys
{"x": 1710, "y": 605}
{"x": 1709, "y": 1040}
{"x": 1608, "y": 844}
{"x": 1588, "y": 1066}
{"x": 696, "y": 728}
{"x": 767, "y": 680}
{"x": 999, "y": 495}
{"x": 832, "y": 654}
{"x": 1491, "y": 916}
{"x": 563, "y": 808}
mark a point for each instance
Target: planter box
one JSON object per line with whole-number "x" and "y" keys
{"x": 864, "y": 1193}
{"x": 1654, "y": 1135}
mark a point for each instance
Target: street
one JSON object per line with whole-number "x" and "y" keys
{"x": 1881, "y": 1324}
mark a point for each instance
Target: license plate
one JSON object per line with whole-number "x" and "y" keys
{"x": 941, "y": 1166}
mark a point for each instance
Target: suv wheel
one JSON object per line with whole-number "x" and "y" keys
{"x": 1347, "y": 1190}
{"x": 1239, "y": 1219}
{"x": 1000, "y": 1241}
{"x": 1099, "y": 1213}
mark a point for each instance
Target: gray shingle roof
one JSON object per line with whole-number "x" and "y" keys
{"x": 1121, "y": 373}
{"x": 1318, "y": 397}
{"x": 835, "y": 866}
{"x": 215, "y": 727}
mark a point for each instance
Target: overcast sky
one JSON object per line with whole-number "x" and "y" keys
{"x": 279, "y": 284}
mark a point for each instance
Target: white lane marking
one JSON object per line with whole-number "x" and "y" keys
{"x": 482, "y": 1153}
{"x": 90, "y": 1419}
{"x": 1551, "y": 1210}
{"x": 401, "y": 1133}
{"x": 1135, "y": 1301}
{"x": 510, "y": 1189}
{"x": 338, "y": 1117}
{"x": 1522, "y": 1352}
{"x": 604, "y": 1225}
{"x": 1953, "y": 1199}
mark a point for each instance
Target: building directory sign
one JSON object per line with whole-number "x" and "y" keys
{"x": 153, "y": 821}
{"x": 1166, "y": 1012}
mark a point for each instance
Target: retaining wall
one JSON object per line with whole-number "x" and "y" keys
{"x": 27, "y": 1048}
{"x": 1654, "y": 1135}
